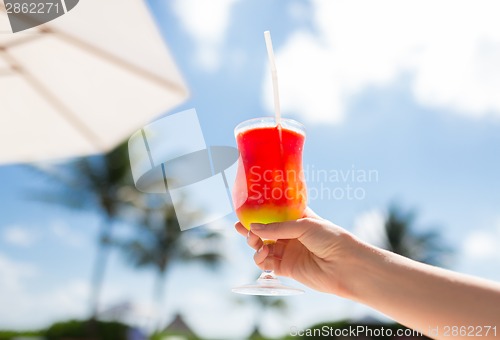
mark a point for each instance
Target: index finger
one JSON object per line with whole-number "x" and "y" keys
{"x": 241, "y": 229}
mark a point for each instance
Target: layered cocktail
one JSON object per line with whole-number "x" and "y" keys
{"x": 270, "y": 184}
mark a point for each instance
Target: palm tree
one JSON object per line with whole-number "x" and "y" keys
{"x": 263, "y": 305}
{"x": 159, "y": 242}
{"x": 402, "y": 238}
{"x": 92, "y": 184}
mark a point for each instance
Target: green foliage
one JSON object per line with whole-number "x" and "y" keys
{"x": 7, "y": 335}
{"x": 74, "y": 329}
{"x": 333, "y": 330}
{"x": 77, "y": 329}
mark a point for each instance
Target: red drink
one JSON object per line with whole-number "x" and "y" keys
{"x": 270, "y": 184}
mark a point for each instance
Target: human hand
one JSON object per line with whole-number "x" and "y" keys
{"x": 327, "y": 258}
{"x": 310, "y": 250}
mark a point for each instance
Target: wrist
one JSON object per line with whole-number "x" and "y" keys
{"x": 360, "y": 269}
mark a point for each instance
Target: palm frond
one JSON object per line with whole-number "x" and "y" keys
{"x": 428, "y": 246}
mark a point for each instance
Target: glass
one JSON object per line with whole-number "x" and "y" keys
{"x": 270, "y": 185}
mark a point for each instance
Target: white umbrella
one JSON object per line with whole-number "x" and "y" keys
{"x": 84, "y": 82}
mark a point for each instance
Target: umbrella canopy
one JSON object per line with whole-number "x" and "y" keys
{"x": 84, "y": 82}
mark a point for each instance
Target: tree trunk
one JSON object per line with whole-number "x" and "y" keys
{"x": 159, "y": 296}
{"x": 100, "y": 267}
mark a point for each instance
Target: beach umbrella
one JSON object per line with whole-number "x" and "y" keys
{"x": 84, "y": 81}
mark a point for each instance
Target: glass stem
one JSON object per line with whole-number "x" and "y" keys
{"x": 267, "y": 275}
{"x": 269, "y": 261}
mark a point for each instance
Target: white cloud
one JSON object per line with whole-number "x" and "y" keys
{"x": 19, "y": 236}
{"x": 13, "y": 272}
{"x": 369, "y": 226}
{"x": 450, "y": 49}
{"x": 207, "y": 23}
{"x": 21, "y": 307}
{"x": 299, "y": 11}
{"x": 483, "y": 244}
{"x": 69, "y": 299}
{"x": 137, "y": 313}
{"x": 67, "y": 235}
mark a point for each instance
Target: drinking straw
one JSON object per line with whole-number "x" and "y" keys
{"x": 274, "y": 75}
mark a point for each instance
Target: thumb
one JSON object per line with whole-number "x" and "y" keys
{"x": 286, "y": 230}
{"x": 309, "y": 231}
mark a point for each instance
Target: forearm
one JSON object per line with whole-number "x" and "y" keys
{"x": 421, "y": 296}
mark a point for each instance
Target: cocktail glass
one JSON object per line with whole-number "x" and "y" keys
{"x": 270, "y": 185}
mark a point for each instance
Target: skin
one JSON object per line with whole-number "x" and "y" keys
{"x": 329, "y": 259}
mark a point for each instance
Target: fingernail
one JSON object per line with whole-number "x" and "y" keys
{"x": 260, "y": 249}
{"x": 257, "y": 226}
{"x": 248, "y": 235}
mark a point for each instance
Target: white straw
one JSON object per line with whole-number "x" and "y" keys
{"x": 274, "y": 74}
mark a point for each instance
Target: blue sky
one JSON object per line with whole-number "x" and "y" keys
{"x": 408, "y": 91}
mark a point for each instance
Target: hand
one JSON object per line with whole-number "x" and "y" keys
{"x": 327, "y": 258}
{"x": 310, "y": 250}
